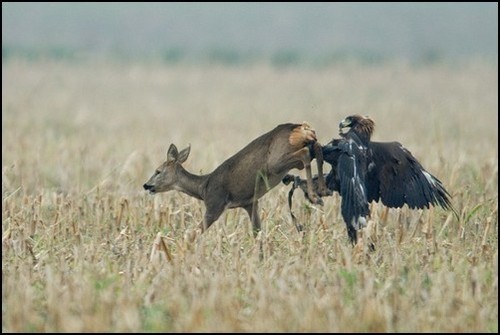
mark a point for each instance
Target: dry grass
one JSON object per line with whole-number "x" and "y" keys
{"x": 85, "y": 249}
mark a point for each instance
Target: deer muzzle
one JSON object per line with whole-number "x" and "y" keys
{"x": 149, "y": 188}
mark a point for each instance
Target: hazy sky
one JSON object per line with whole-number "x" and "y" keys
{"x": 391, "y": 29}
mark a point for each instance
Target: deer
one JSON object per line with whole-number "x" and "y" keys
{"x": 241, "y": 180}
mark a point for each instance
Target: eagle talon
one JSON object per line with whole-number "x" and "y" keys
{"x": 325, "y": 193}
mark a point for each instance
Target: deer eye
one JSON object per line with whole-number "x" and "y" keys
{"x": 157, "y": 172}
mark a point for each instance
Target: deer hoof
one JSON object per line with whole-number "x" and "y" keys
{"x": 300, "y": 228}
{"x": 190, "y": 235}
{"x": 317, "y": 200}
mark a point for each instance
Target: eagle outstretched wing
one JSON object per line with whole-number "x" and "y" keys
{"x": 396, "y": 178}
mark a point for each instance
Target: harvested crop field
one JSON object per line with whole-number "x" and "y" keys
{"x": 86, "y": 249}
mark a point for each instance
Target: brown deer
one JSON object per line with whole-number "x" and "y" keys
{"x": 246, "y": 176}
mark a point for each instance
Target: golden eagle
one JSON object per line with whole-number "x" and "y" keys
{"x": 364, "y": 171}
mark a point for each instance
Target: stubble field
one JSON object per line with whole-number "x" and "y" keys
{"x": 86, "y": 249}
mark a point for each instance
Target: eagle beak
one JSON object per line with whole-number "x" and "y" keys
{"x": 343, "y": 124}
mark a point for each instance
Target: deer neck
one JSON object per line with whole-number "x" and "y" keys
{"x": 191, "y": 184}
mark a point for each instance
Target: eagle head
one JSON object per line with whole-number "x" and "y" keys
{"x": 362, "y": 125}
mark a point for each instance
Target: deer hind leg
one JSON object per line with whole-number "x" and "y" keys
{"x": 310, "y": 186}
{"x": 290, "y": 161}
{"x": 318, "y": 154}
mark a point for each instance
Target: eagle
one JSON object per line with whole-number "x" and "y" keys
{"x": 363, "y": 171}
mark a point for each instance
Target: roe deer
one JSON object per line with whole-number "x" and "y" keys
{"x": 245, "y": 177}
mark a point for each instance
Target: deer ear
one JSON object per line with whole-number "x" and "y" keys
{"x": 183, "y": 155}
{"x": 172, "y": 153}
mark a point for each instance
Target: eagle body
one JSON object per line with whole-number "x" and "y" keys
{"x": 363, "y": 171}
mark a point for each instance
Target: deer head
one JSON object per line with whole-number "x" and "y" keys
{"x": 166, "y": 175}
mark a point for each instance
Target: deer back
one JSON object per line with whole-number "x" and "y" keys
{"x": 258, "y": 167}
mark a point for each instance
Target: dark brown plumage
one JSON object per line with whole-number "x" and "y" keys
{"x": 364, "y": 171}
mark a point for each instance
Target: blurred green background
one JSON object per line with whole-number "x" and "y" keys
{"x": 241, "y": 33}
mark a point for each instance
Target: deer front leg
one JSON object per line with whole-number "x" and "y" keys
{"x": 252, "y": 211}
{"x": 212, "y": 213}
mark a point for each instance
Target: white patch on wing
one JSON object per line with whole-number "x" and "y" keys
{"x": 429, "y": 178}
{"x": 357, "y": 182}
